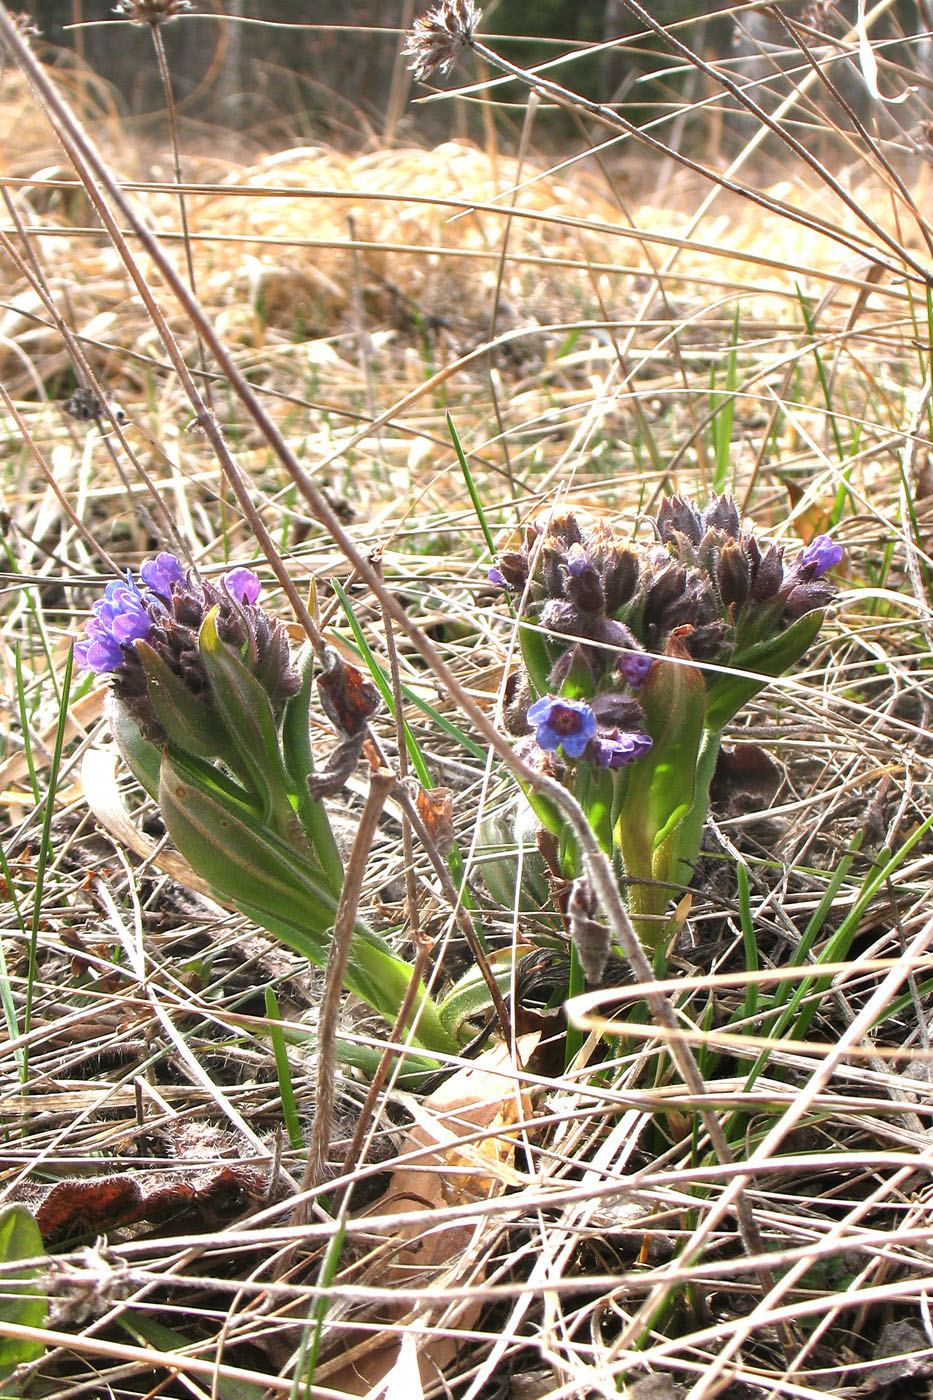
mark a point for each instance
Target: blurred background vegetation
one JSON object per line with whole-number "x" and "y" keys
{"x": 266, "y": 68}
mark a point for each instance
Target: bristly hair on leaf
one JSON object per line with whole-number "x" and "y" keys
{"x": 436, "y": 37}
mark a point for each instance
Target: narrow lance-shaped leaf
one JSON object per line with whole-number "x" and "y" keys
{"x": 299, "y": 764}
{"x": 727, "y": 694}
{"x": 191, "y": 723}
{"x": 662, "y": 784}
{"x": 240, "y": 860}
{"x": 247, "y": 713}
{"x": 143, "y": 759}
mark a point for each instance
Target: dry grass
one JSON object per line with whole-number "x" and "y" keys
{"x": 572, "y": 336}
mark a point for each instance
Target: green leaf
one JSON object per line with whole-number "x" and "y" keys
{"x": 283, "y": 1071}
{"x": 471, "y": 487}
{"x": 255, "y": 871}
{"x": 22, "y": 1300}
{"x": 766, "y": 659}
{"x": 661, "y": 786}
{"x": 242, "y": 861}
{"x": 247, "y": 713}
{"x": 190, "y": 723}
{"x": 166, "y": 1339}
{"x": 299, "y": 763}
{"x": 537, "y": 657}
{"x": 141, "y": 757}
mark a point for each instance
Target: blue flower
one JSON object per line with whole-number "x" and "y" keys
{"x": 120, "y": 617}
{"x": 614, "y": 747}
{"x": 821, "y": 555}
{"x": 564, "y": 724}
{"x": 242, "y": 585}
{"x": 161, "y": 572}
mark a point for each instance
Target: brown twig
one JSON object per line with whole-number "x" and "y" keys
{"x": 380, "y": 783}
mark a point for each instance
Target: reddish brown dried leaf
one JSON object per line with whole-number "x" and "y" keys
{"x": 349, "y": 701}
{"x": 435, "y": 808}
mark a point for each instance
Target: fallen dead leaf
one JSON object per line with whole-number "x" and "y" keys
{"x": 449, "y": 1171}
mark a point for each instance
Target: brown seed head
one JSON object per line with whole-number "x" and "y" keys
{"x": 152, "y": 12}
{"x": 436, "y": 38}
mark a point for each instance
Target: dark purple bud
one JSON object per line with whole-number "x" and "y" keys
{"x": 666, "y": 588}
{"x": 733, "y": 576}
{"x": 768, "y": 578}
{"x": 807, "y": 597}
{"x": 821, "y": 555}
{"x": 677, "y": 516}
{"x": 613, "y": 748}
{"x": 635, "y": 667}
{"x": 577, "y": 560}
{"x": 565, "y": 724}
{"x": 563, "y": 531}
{"x": 559, "y": 615}
{"x": 510, "y": 569}
{"x": 708, "y": 643}
{"x": 620, "y": 575}
{"x": 722, "y": 514}
{"x": 585, "y": 590}
{"x": 616, "y": 709}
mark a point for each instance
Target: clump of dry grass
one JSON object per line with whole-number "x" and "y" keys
{"x": 587, "y": 351}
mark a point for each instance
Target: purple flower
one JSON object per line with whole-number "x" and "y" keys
{"x": 494, "y": 576}
{"x": 821, "y": 555}
{"x": 120, "y": 617}
{"x": 614, "y": 747}
{"x": 565, "y": 724}
{"x": 242, "y": 585}
{"x": 161, "y": 572}
{"x": 577, "y": 560}
{"x": 635, "y": 666}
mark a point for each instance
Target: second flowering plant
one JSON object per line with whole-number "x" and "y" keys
{"x": 635, "y": 658}
{"x": 212, "y": 712}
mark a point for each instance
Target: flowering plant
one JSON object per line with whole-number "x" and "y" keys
{"x": 211, "y": 711}
{"x": 635, "y": 658}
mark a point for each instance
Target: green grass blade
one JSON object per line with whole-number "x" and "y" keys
{"x": 283, "y": 1070}
{"x": 471, "y": 486}
{"x": 306, "y": 1362}
{"x": 45, "y": 845}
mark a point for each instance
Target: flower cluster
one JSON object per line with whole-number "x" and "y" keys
{"x": 615, "y": 691}
{"x": 751, "y": 587}
{"x": 574, "y": 727}
{"x": 165, "y": 610}
{"x": 705, "y": 579}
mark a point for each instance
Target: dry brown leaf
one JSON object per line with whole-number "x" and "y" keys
{"x": 449, "y": 1172}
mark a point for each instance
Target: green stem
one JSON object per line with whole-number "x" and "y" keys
{"x": 687, "y": 838}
